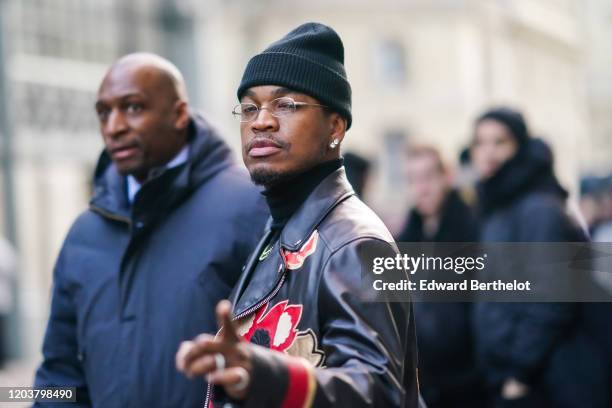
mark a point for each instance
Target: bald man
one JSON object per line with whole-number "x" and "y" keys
{"x": 165, "y": 236}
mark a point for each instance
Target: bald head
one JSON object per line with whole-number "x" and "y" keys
{"x": 163, "y": 73}
{"x": 143, "y": 113}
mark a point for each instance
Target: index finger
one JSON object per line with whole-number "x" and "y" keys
{"x": 224, "y": 320}
{"x": 183, "y": 350}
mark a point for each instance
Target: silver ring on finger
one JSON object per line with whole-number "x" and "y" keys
{"x": 244, "y": 381}
{"x": 219, "y": 362}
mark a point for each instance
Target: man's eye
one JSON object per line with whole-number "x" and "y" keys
{"x": 134, "y": 107}
{"x": 284, "y": 105}
{"x": 249, "y": 109}
{"x": 102, "y": 114}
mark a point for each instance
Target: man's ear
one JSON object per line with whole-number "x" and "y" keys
{"x": 337, "y": 127}
{"x": 181, "y": 115}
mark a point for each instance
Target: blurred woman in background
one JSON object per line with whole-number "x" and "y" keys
{"x": 532, "y": 354}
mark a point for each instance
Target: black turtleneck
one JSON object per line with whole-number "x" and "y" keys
{"x": 286, "y": 197}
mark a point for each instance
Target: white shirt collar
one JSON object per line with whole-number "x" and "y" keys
{"x": 133, "y": 186}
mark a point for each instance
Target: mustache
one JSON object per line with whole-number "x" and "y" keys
{"x": 265, "y": 137}
{"x": 112, "y": 148}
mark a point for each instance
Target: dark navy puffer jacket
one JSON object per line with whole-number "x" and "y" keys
{"x": 131, "y": 283}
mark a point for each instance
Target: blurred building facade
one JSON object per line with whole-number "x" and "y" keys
{"x": 597, "y": 28}
{"x": 56, "y": 53}
{"x": 421, "y": 70}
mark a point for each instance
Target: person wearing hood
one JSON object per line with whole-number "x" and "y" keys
{"x": 168, "y": 229}
{"x": 532, "y": 354}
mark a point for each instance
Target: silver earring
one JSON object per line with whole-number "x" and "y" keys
{"x": 333, "y": 144}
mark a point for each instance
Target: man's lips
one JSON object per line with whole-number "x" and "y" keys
{"x": 263, "y": 148}
{"x": 123, "y": 152}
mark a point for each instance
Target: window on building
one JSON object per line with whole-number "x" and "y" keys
{"x": 389, "y": 60}
{"x": 395, "y": 147}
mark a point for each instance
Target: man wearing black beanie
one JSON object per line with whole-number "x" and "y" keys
{"x": 297, "y": 331}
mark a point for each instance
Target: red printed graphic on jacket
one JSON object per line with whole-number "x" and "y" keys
{"x": 275, "y": 328}
{"x": 295, "y": 260}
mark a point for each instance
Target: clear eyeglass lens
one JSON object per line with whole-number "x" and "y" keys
{"x": 248, "y": 111}
{"x": 283, "y": 106}
{"x": 279, "y": 107}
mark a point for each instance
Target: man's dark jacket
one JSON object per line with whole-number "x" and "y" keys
{"x": 131, "y": 283}
{"x": 304, "y": 297}
{"x": 543, "y": 345}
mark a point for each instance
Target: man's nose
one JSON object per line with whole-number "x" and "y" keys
{"x": 264, "y": 121}
{"x": 115, "y": 124}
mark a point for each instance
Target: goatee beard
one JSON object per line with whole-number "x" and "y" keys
{"x": 269, "y": 179}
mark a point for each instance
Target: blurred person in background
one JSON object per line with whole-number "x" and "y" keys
{"x": 603, "y": 230}
{"x": 167, "y": 231}
{"x": 8, "y": 269}
{"x": 439, "y": 214}
{"x": 590, "y": 202}
{"x": 466, "y": 177}
{"x": 598, "y": 315}
{"x": 448, "y": 374}
{"x": 532, "y": 354}
{"x": 357, "y": 172}
{"x": 596, "y": 207}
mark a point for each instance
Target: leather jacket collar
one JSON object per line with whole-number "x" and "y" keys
{"x": 253, "y": 290}
{"x": 330, "y": 192}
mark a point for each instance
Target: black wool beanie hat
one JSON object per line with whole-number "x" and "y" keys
{"x": 510, "y": 118}
{"x": 310, "y": 59}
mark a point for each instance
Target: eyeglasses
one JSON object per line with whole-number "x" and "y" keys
{"x": 279, "y": 107}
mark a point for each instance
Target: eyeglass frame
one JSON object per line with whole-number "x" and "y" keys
{"x": 296, "y": 104}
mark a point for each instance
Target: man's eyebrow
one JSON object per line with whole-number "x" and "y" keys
{"x": 103, "y": 101}
{"x": 283, "y": 91}
{"x": 131, "y": 94}
{"x": 249, "y": 93}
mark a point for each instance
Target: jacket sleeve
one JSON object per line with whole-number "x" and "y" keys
{"x": 370, "y": 351}
{"x": 61, "y": 366}
{"x": 540, "y": 326}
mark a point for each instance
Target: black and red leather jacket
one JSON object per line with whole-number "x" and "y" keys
{"x": 300, "y": 295}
